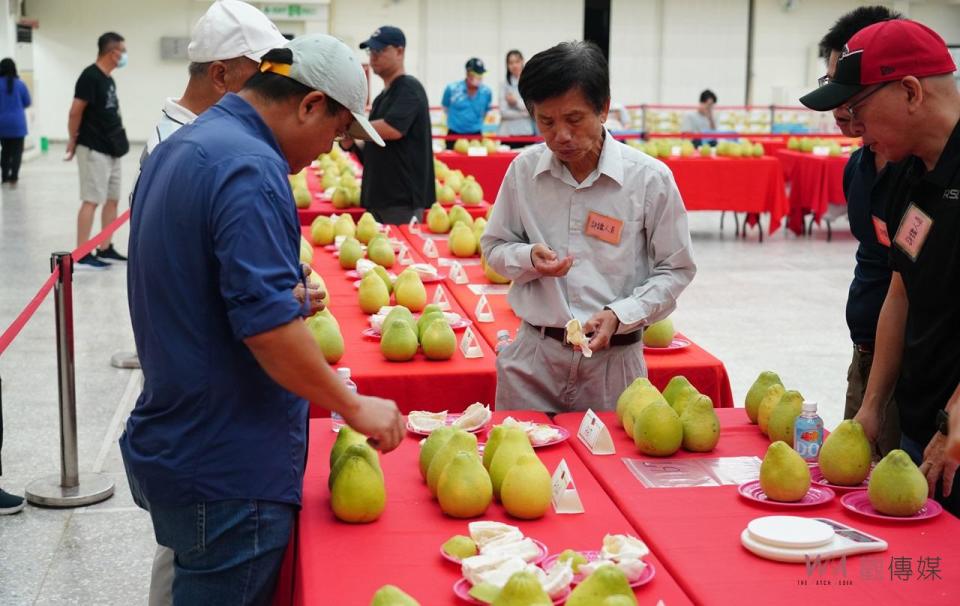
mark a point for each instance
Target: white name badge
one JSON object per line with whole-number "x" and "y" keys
{"x": 913, "y": 231}
{"x": 595, "y": 435}
{"x": 566, "y": 499}
{"x": 469, "y": 345}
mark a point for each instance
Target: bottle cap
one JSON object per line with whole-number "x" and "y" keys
{"x": 343, "y": 373}
{"x": 809, "y": 406}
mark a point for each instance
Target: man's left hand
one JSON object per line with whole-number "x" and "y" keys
{"x": 603, "y": 325}
{"x": 316, "y": 295}
{"x": 937, "y": 466}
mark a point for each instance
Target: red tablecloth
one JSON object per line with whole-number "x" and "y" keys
{"x": 418, "y": 385}
{"x": 321, "y": 204}
{"x": 704, "y": 370}
{"x": 342, "y": 564}
{"x": 487, "y": 170}
{"x": 751, "y": 185}
{"x": 696, "y": 532}
{"x": 815, "y": 182}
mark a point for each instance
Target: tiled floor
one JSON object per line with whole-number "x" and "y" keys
{"x": 777, "y": 306}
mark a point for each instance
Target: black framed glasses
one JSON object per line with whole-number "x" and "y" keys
{"x": 852, "y": 106}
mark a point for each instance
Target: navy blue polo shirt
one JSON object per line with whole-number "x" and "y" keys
{"x": 866, "y": 211}
{"x": 214, "y": 256}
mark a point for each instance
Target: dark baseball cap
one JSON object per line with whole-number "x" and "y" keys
{"x": 476, "y": 66}
{"x": 883, "y": 52}
{"x": 383, "y": 37}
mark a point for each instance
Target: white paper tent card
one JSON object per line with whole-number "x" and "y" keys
{"x": 595, "y": 434}
{"x": 440, "y": 299}
{"x": 483, "y": 311}
{"x": 566, "y": 499}
{"x": 470, "y": 345}
{"x": 414, "y": 225}
{"x": 404, "y": 256}
{"x": 458, "y": 274}
{"x": 430, "y": 249}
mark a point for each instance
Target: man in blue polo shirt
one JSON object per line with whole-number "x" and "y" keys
{"x": 467, "y": 102}
{"x": 215, "y": 447}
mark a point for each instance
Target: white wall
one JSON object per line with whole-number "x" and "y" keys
{"x": 661, "y": 51}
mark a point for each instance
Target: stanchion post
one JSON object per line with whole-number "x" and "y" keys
{"x": 71, "y": 489}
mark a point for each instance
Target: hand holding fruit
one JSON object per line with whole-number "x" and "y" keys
{"x": 547, "y": 263}
{"x": 379, "y": 419}
{"x": 602, "y": 326}
{"x": 870, "y": 421}
{"x": 316, "y": 295}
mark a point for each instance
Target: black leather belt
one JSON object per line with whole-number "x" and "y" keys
{"x": 560, "y": 334}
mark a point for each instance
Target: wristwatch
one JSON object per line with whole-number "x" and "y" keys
{"x": 943, "y": 422}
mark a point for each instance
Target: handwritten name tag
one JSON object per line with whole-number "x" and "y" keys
{"x": 913, "y": 231}
{"x": 604, "y": 228}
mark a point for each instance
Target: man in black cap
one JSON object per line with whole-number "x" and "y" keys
{"x": 895, "y": 81}
{"x": 467, "y": 101}
{"x": 398, "y": 181}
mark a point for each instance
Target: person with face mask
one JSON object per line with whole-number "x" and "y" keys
{"x": 98, "y": 141}
{"x": 467, "y": 101}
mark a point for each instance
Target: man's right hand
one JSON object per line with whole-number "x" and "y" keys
{"x": 380, "y": 420}
{"x": 547, "y": 263}
{"x": 71, "y": 150}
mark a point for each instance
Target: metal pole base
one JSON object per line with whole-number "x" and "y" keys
{"x": 47, "y": 492}
{"x": 125, "y": 359}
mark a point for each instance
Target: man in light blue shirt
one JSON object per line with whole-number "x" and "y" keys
{"x": 467, "y": 102}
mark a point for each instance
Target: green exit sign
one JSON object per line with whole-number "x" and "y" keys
{"x": 292, "y": 11}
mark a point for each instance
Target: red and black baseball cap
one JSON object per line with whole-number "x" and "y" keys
{"x": 883, "y": 52}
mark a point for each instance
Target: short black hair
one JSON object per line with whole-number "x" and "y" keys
{"x": 577, "y": 64}
{"x": 708, "y": 95}
{"x": 105, "y": 42}
{"x": 851, "y": 23}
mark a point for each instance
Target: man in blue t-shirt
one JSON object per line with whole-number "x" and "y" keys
{"x": 864, "y": 185}
{"x": 217, "y": 439}
{"x": 467, "y": 102}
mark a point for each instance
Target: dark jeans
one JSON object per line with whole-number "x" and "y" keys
{"x": 857, "y": 375}
{"x": 951, "y": 503}
{"x": 451, "y": 133}
{"x": 225, "y": 552}
{"x": 11, "y": 152}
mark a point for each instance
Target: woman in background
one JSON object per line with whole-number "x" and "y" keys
{"x": 14, "y": 98}
{"x": 514, "y": 118}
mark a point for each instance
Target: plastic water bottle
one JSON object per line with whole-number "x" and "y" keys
{"x": 808, "y": 433}
{"x": 335, "y": 417}
{"x": 503, "y": 339}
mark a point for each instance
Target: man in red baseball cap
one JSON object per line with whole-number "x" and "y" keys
{"x": 894, "y": 80}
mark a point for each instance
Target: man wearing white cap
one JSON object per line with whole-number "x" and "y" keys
{"x": 217, "y": 439}
{"x": 224, "y": 51}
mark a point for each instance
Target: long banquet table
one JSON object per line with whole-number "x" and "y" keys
{"x": 696, "y": 533}
{"x": 704, "y": 370}
{"x": 815, "y": 183}
{"x": 331, "y": 563}
{"x": 420, "y": 384}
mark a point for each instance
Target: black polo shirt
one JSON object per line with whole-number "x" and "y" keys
{"x": 924, "y": 219}
{"x": 866, "y": 192}
{"x": 400, "y": 174}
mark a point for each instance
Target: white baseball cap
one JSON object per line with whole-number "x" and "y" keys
{"x": 231, "y": 29}
{"x": 325, "y": 64}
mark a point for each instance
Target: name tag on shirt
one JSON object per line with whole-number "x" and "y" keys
{"x": 880, "y": 228}
{"x": 604, "y": 228}
{"x": 913, "y": 231}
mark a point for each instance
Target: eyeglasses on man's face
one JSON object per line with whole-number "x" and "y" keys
{"x": 852, "y": 107}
